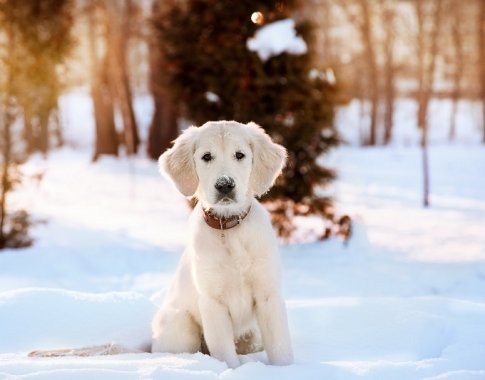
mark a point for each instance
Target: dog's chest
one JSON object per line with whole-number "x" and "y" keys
{"x": 235, "y": 262}
{"x": 227, "y": 267}
{"x": 237, "y": 270}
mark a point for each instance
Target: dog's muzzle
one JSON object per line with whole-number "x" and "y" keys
{"x": 224, "y": 186}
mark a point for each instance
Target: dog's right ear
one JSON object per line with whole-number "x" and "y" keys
{"x": 178, "y": 163}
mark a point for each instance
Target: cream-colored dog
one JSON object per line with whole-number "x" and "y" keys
{"x": 226, "y": 295}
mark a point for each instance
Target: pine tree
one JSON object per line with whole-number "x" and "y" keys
{"x": 215, "y": 77}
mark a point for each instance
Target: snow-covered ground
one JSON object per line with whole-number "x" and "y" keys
{"x": 404, "y": 299}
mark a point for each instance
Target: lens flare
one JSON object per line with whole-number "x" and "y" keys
{"x": 257, "y": 18}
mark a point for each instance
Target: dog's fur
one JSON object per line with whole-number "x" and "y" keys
{"x": 226, "y": 295}
{"x": 226, "y": 292}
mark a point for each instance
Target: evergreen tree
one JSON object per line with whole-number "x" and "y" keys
{"x": 215, "y": 77}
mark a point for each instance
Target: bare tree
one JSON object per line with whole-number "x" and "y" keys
{"x": 481, "y": 60}
{"x": 326, "y": 26}
{"x": 370, "y": 57}
{"x": 388, "y": 20}
{"x": 106, "y": 136}
{"x": 458, "y": 55}
{"x": 320, "y": 13}
{"x": 428, "y": 15}
{"x": 6, "y": 138}
{"x": 14, "y": 225}
{"x": 118, "y": 35}
{"x": 361, "y": 17}
{"x": 109, "y": 34}
{"x": 163, "y": 127}
{"x": 110, "y": 27}
{"x": 43, "y": 38}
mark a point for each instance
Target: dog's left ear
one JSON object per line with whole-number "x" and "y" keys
{"x": 269, "y": 159}
{"x": 178, "y": 163}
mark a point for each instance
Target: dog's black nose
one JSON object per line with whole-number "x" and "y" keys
{"x": 224, "y": 185}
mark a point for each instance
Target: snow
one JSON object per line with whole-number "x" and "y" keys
{"x": 212, "y": 97}
{"x": 328, "y": 75}
{"x": 383, "y": 187}
{"x": 99, "y": 318}
{"x": 404, "y": 299}
{"x": 276, "y": 38}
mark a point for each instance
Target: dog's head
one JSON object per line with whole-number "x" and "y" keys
{"x": 224, "y": 163}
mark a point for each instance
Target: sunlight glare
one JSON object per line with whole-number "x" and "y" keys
{"x": 257, "y": 18}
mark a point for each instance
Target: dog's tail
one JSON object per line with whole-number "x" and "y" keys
{"x": 105, "y": 349}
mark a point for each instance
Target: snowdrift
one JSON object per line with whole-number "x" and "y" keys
{"x": 362, "y": 337}
{"x": 53, "y": 318}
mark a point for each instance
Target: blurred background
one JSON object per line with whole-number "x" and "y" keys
{"x": 122, "y": 78}
{"x": 380, "y": 210}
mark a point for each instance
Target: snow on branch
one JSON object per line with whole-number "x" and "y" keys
{"x": 276, "y": 38}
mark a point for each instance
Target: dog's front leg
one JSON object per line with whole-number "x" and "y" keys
{"x": 273, "y": 323}
{"x": 218, "y": 330}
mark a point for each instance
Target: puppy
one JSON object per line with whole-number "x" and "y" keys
{"x": 226, "y": 295}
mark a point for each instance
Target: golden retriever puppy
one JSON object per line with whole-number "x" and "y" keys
{"x": 226, "y": 295}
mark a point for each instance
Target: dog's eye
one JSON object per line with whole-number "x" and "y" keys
{"x": 239, "y": 155}
{"x": 207, "y": 157}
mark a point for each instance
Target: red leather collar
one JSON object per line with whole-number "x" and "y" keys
{"x": 224, "y": 223}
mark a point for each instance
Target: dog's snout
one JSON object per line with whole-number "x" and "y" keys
{"x": 225, "y": 184}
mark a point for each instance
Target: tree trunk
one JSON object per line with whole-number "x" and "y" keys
{"x": 421, "y": 95}
{"x": 458, "y": 69}
{"x": 106, "y": 136}
{"x": 57, "y": 124}
{"x": 389, "y": 88}
{"x": 36, "y": 126}
{"x": 426, "y": 72}
{"x": 424, "y": 150}
{"x": 43, "y": 138}
{"x": 5, "y": 180}
{"x": 481, "y": 62}
{"x": 435, "y": 32}
{"x": 362, "y": 20}
{"x": 325, "y": 18}
{"x": 390, "y": 95}
{"x": 366, "y": 30}
{"x": 163, "y": 127}
{"x": 28, "y": 129}
{"x": 6, "y": 146}
{"x": 118, "y": 36}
